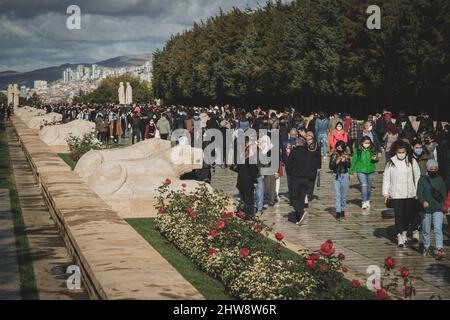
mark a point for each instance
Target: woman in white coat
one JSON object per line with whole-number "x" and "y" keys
{"x": 400, "y": 180}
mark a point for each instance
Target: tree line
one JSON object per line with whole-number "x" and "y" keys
{"x": 312, "y": 54}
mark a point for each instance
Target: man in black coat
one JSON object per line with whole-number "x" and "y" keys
{"x": 297, "y": 169}
{"x": 246, "y": 180}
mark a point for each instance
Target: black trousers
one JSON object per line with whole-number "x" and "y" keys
{"x": 136, "y": 136}
{"x": 310, "y": 191}
{"x": 299, "y": 191}
{"x": 248, "y": 200}
{"x": 405, "y": 213}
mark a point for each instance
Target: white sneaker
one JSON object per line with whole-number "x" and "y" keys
{"x": 368, "y": 206}
{"x": 405, "y": 237}
{"x": 400, "y": 240}
{"x": 416, "y": 236}
{"x": 364, "y": 205}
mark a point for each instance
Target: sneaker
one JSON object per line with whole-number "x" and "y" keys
{"x": 416, "y": 236}
{"x": 302, "y": 219}
{"x": 368, "y": 206}
{"x": 405, "y": 237}
{"x": 440, "y": 254}
{"x": 364, "y": 205}
{"x": 343, "y": 215}
{"x": 338, "y": 215}
{"x": 400, "y": 241}
{"x": 426, "y": 252}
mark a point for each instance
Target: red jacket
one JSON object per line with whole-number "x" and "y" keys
{"x": 447, "y": 203}
{"x": 335, "y": 136}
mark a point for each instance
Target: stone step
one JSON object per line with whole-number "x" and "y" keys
{"x": 9, "y": 269}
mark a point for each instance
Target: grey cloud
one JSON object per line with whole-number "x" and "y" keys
{"x": 34, "y": 34}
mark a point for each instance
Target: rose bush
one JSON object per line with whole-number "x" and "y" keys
{"x": 239, "y": 253}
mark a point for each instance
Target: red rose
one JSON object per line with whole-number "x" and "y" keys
{"x": 184, "y": 185}
{"x": 167, "y": 182}
{"x": 279, "y": 236}
{"x": 404, "y": 272}
{"x": 344, "y": 269}
{"x": 389, "y": 263}
{"x": 310, "y": 263}
{"x": 213, "y": 233}
{"x": 278, "y": 247}
{"x": 381, "y": 294}
{"x": 162, "y": 209}
{"x": 341, "y": 257}
{"x": 327, "y": 249}
{"x": 189, "y": 210}
{"x": 194, "y": 216}
{"x": 257, "y": 227}
{"x": 314, "y": 256}
{"x": 323, "y": 267}
{"x": 242, "y": 214}
{"x": 244, "y": 252}
{"x": 221, "y": 225}
{"x": 212, "y": 252}
{"x": 408, "y": 292}
{"x": 356, "y": 283}
{"x": 223, "y": 214}
{"x": 230, "y": 214}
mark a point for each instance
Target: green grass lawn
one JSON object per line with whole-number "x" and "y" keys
{"x": 210, "y": 288}
{"x": 67, "y": 159}
{"x": 26, "y": 272}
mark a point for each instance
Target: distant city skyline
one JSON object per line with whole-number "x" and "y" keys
{"x": 34, "y": 35}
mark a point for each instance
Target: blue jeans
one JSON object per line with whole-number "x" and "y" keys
{"x": 341, "y": 184}
{"x": 323, "y": 140}
{"x": 260, "y": 194}
{"x": 366, "y": 181}
{"x": 436, "y": 219}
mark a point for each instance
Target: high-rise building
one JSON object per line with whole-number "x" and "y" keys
{"x": 40, "y": 84}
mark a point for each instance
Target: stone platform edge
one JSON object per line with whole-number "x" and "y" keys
{"x": 115, "y": 261}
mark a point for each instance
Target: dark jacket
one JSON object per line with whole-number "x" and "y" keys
{"x": 341, "y": 167}
{"x": 296, "y": 165}
{"x": 136, "y": 123}
{"x": 247, "y": 175}
{"x": 424, "y": 192}
{"x": 313, "y": 161}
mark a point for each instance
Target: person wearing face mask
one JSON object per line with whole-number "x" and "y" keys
{"x": 431, "y": 192}
{"x": 338, "y": 134}
{"x": 421, "y": 155}
{"x": 431, "y": 146}
{"x": 364, "y": 163}
{"x": 367, "y": 131}
{"x": 400, "y": 179}
{"x": 340, "y": 162}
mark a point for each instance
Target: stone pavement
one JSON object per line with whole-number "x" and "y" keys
{"x": 365, "y": 240}
{"x": 48, "y": 251}
{"x": 9, "y": 269}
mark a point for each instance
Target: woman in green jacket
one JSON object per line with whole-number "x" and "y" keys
{"x": 364, "y": 163}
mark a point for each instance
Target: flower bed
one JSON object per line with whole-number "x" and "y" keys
{"x": 238, "y": 253}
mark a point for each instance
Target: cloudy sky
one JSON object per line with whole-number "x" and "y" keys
{"x": 33, "y": 34}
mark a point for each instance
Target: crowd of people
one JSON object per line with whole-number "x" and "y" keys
{"x": 415, "y": 150}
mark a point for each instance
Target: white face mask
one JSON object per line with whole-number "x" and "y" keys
{"x": 339, "y": 128}
{"x": 366, "y": 145}
{"x": 401, "y": 156}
